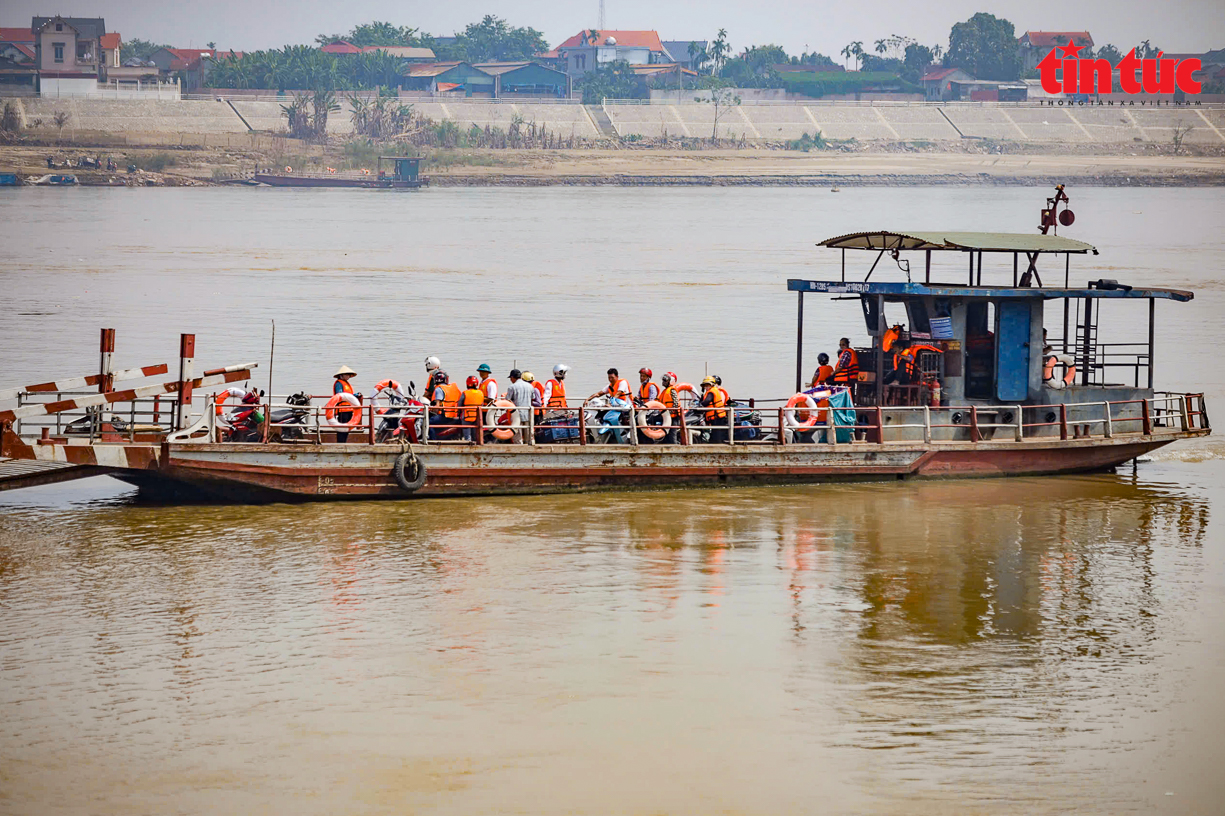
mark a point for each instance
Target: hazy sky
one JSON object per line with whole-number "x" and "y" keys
{"x": 1176, "y": 25}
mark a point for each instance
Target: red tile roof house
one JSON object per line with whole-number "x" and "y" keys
{"x": 584, "y": 52}
{"x": 187, "y": 61}
{"x": 72, "y": 54}
{"x": 18, "y": 66}
{"x": 938, "y": 83}
{"x": 1035, "y": 45}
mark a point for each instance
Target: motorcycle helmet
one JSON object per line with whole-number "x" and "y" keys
{"x": 432, "y": 364}
{"x": 670, "y": 378}
{"x": 441, "y": 378}
{"x": 473, "y": 382}
{"x": 646, "y": 371}
{"x": 560, "y": 369}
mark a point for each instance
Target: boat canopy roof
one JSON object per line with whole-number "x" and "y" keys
{"x": 902, "y": 291}
{"x": 958, "y": 241}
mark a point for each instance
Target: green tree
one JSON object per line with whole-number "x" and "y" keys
{"x": 493, "y": 40}
{"x": 1110, "y": 53}
{"x": 1146, "y": 50}
{"x": 986, "y": 47}
{"x": 855, "y": 50}
{"x": 916, "y": 60}
{"x": 375, "y": 33}
{"x": 615, "y": 80}
{"x": 719, "y": 51}
{"x": 139, "y": 49}
{"x": 723, "y": 100}
{"x": 698, "y": 56}
{"x": 760, "y": 57}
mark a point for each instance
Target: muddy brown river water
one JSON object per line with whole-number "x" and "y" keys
{"x": 994, "y": 646}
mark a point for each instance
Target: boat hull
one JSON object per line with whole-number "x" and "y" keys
{"x": 367, "y": 183}
{"x": 320, "y": 472}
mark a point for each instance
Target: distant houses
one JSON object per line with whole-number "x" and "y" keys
{"x": 492, "y": 80}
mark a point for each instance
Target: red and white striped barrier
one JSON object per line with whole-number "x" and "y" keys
{"x": 74, "y": 383}
{"x": 217, "y": 376}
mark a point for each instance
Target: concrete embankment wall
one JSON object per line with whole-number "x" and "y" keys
{"x": 218, "y": 123}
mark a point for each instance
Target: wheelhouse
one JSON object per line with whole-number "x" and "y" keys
{"x": 983, "y": 341}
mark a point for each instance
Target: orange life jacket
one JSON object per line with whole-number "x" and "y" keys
{"x": 618, "y": 388}
{"x": 472, "y": 396}
{"x": 891, "y": 336}
{"x": 484, "y": 386}
{"x": 644, "y": 390}
{"x": 450, "y": 399}
{"x": 904, "y": 363}
{"x": 540, "y": 395}
{"x": 557, "y": 396}
{"x": 823, "y": 374}
{"x": 849, "y": 372}
{"x": 718, "y": 399}
{"x": 668, "y": 397}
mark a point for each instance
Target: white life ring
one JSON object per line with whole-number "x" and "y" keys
{"x": 332, "y": 409}
{"x": 388, "y": 390}
{"x": 503, "y": 418}
{"x": 288, "y": 169}
{"x": 655, "y": 432}
{"x": 220, "y": 399}
{"x": 804, "y": 405}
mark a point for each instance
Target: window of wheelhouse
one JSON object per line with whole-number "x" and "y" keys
{"x": 980, "y": 349}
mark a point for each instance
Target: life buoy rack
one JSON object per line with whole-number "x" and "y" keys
{"x": 333, "y": 408}
{"x": 503, "y": 418}
{"x": 656, "y": 432}
{"x": 801, "y": 405}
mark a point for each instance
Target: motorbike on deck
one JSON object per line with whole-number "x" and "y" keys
{"x": 403, "y": 418}
{"x": 288, "y": 424}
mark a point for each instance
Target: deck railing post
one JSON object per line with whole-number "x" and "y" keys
{"x": 1020, "y": 425}
{"x": 731, "y": 424}
{"x": 425, "y": 424}
{"x": 1108, "y": 425}
{"x": 531, "y": 427}
{"x": 633, "y": 417}
{"x": 267, "y": 423}
{"x": 1063, "y": 421}
{"x": 582, "y": 427}
{"x": 831, "y": 427}
{"x": 781, "y": 438}
{"x": 1185, "y": 410}
{"x": 480, "y": 425}
{"x": 880, "y": 422}
{"x": 370, "y": 435}
{"x": 927, "y": 424}
{"x": 974, "y": 434}
{"x": 684, "y": 431}
{"x": 1146, "y": 418}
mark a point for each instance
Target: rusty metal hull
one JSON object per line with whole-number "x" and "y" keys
{"x": 313, "y": 472}
{"x": 363, "y": 182}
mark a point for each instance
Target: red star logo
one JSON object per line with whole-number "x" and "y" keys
{"x": 1070, "y": 50}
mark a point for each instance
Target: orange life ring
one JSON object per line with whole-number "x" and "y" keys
{"x": 503, "y": 422}
{"x": 219, "y": 399}
{"x": 806, "y": 407}
{"x": 656, "y": 432}
{"x": 332, "y": 409}
{"x": 365, "y": 171}
{"x": 288, "y": 169}
{"x": 688, "y": 387}
{"x": 379, "y": 388}
{"x": 331, "y": 169}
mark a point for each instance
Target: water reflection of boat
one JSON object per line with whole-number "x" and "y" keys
{"x": 977, "y": 396}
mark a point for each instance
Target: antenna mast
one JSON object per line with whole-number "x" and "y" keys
{"x": 601, "y": 25}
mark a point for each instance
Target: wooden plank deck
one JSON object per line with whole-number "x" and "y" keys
{"x": 17, "y": 473}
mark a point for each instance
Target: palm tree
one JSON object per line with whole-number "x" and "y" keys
{"x": 719, "y": 50}
{"x": 881, "y": 47}
{"x": 857, "y": 50}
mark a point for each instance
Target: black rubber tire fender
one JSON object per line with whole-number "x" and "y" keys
{"x": 409, "y": 472}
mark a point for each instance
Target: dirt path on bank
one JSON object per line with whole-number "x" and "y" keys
{"x": 878, "y": 165}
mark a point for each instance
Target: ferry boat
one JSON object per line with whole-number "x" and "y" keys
{"x": 404, "y": 174}
{"x": 985, "y": 399}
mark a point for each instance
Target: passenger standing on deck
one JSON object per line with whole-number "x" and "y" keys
{"x": 444, "y": 398}
{"x": 488, "y": 384}
{"x": 671, "y": 400}
{"x": 825, "y": 372}
{"x": 472, "y": 401}
{"x": 433, "y": 367}
{"x": 647, "y": 390}
{"x": 555, "y": 389}
{"x": 522, "y": 394}
{"x": 714, "y": 399}
{"x": 538, "y": 399}
{"x": 342, "y": 386}
{"x": 846, "y": 372}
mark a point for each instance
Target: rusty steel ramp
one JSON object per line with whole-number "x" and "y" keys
{"x": 16, "y": 473}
